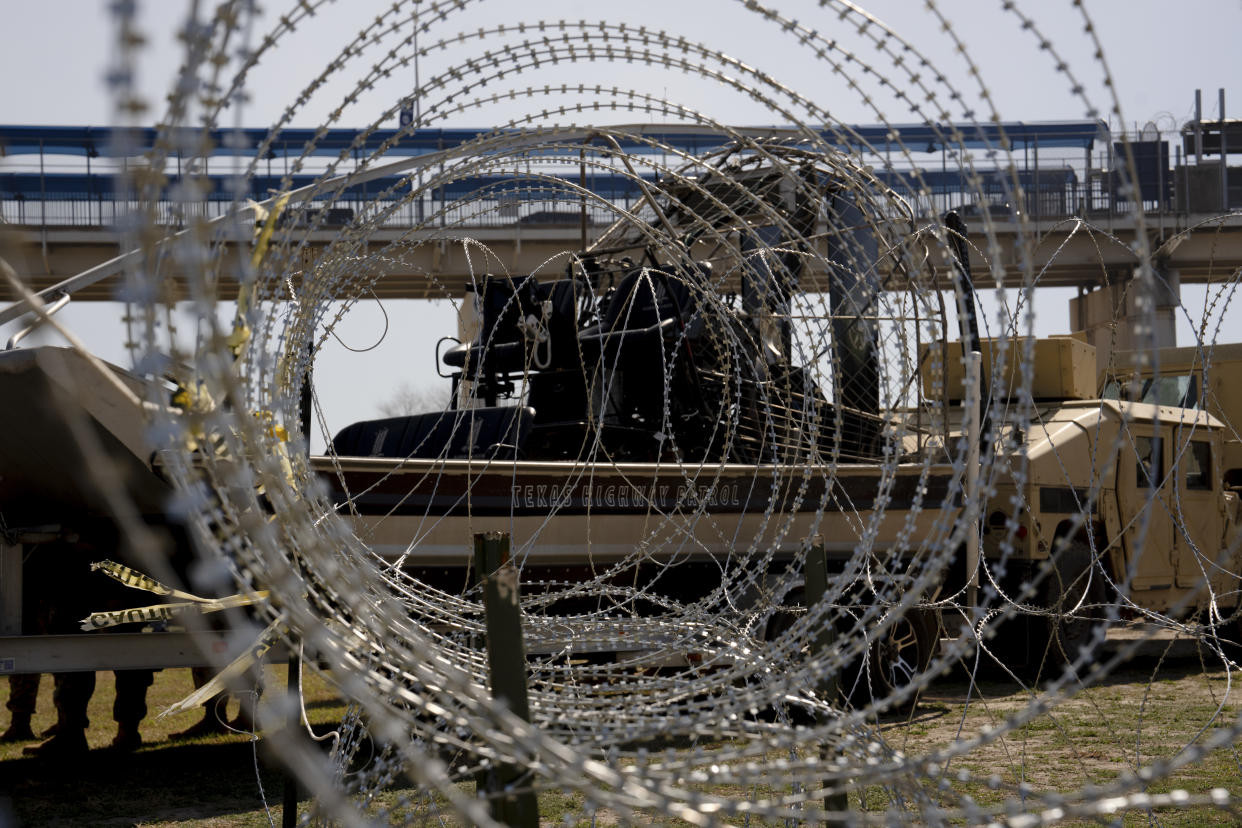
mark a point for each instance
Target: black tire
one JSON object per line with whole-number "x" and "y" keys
{"x": 1071, "y": 582}
{"x": 1231, "y": 632}
{"x": 907, "y": 649}
{"x": 897, "y": 660}
{"x": 783, "y": 617}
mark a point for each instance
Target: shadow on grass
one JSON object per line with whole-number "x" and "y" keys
{"x": 1139, "y": 669}
{"x": 164, "y": 782}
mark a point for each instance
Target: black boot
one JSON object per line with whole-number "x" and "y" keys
{"x": 19, "y": 729}
{"x": 127, "y": 738}
{"x": 66, "y": 745}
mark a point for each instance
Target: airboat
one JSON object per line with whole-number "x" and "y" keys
{"x": 696, "y": 398}
{"x": 656, "y": 401}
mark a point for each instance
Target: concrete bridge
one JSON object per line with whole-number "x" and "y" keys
{"x": 1077, "y": 252}
{"x": 1074, "y": 226}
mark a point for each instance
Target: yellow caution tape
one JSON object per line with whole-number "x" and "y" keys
{"x": 274, "y": 429}
{"x": 192, "y": 397}
{"x": 163, "y": 612}
{"x": 240, "y": 335}
{"x": 260, "y": 215}
{"x": 135, "y": 579}
{"x": 113, "y": 618}
{"x": 253, "y": 655}
{"x": 265, "y": 235}
{"x": 166, "y": 612}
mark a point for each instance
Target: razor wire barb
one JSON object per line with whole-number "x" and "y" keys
{"x": 746, "y": 363}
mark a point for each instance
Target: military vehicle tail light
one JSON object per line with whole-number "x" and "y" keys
{"x": 997, "y": 521}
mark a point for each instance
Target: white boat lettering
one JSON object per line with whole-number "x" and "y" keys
{"x": 623, "y": 496}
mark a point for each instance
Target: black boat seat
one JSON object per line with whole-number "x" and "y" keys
{"x": 506, "y": 352}
{"x": 646, "y": 297}
{"x": 484, "y": 433}
{"x": 502, "y": 357}
{"x": 596, "y": 341}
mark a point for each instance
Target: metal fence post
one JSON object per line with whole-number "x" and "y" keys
{"x": 506, "y": 667}
{"x": 294, "y": 663}
{"x": 816, "y": 579}
{"x": 289, "y": 813}
{"x": 974, "y": 433}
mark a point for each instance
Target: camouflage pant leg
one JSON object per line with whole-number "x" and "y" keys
{"x": 24, "y": 687}
{"x": 130, "y": 706}
{"x": 23, "y": 693}
{"x": 72, "y": 693}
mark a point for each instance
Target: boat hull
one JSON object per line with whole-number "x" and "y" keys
{"x": 563, "y": 513}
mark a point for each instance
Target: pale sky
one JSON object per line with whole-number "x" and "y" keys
{"x": 1157, "y": 51}
{"x": 56, "y": 54}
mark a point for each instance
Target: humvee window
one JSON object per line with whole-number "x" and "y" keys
{"x": 1180, "y": 392}
{"x": 1176, "y": 391}
{"x": 1199, "y": 465}
{"x": 1150, "y": 470}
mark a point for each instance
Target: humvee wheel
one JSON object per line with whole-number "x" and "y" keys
{"x": 1069, "y": 584}
{"x": 895, "y": 661}
{"x": 782, "y": 618}
{"x": 1231, "y": 631}
{"x": 892, "y": 663}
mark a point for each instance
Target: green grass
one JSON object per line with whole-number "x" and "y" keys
{"x": 225, "y": 780}
{"x": 215, "y": 781}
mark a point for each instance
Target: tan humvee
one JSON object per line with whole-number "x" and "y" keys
{"x": 1134, "y": 487}
{"x": 1096, "y": 502}
{"x": 1208, "y": 378}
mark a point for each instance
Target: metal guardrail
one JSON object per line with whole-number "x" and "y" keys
{"x": 52, "y": 200}
{"x": 1056, "y": 179}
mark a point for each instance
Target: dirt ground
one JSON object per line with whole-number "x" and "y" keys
{"x": 1153, "y": 710}
{"x": 1158, "y": 712}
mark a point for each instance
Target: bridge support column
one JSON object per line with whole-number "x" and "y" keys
{"x": 469, "y": 322}
{"x": 1123, "y": 316}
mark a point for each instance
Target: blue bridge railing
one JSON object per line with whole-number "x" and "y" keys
{"x": 65, "y": 176}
